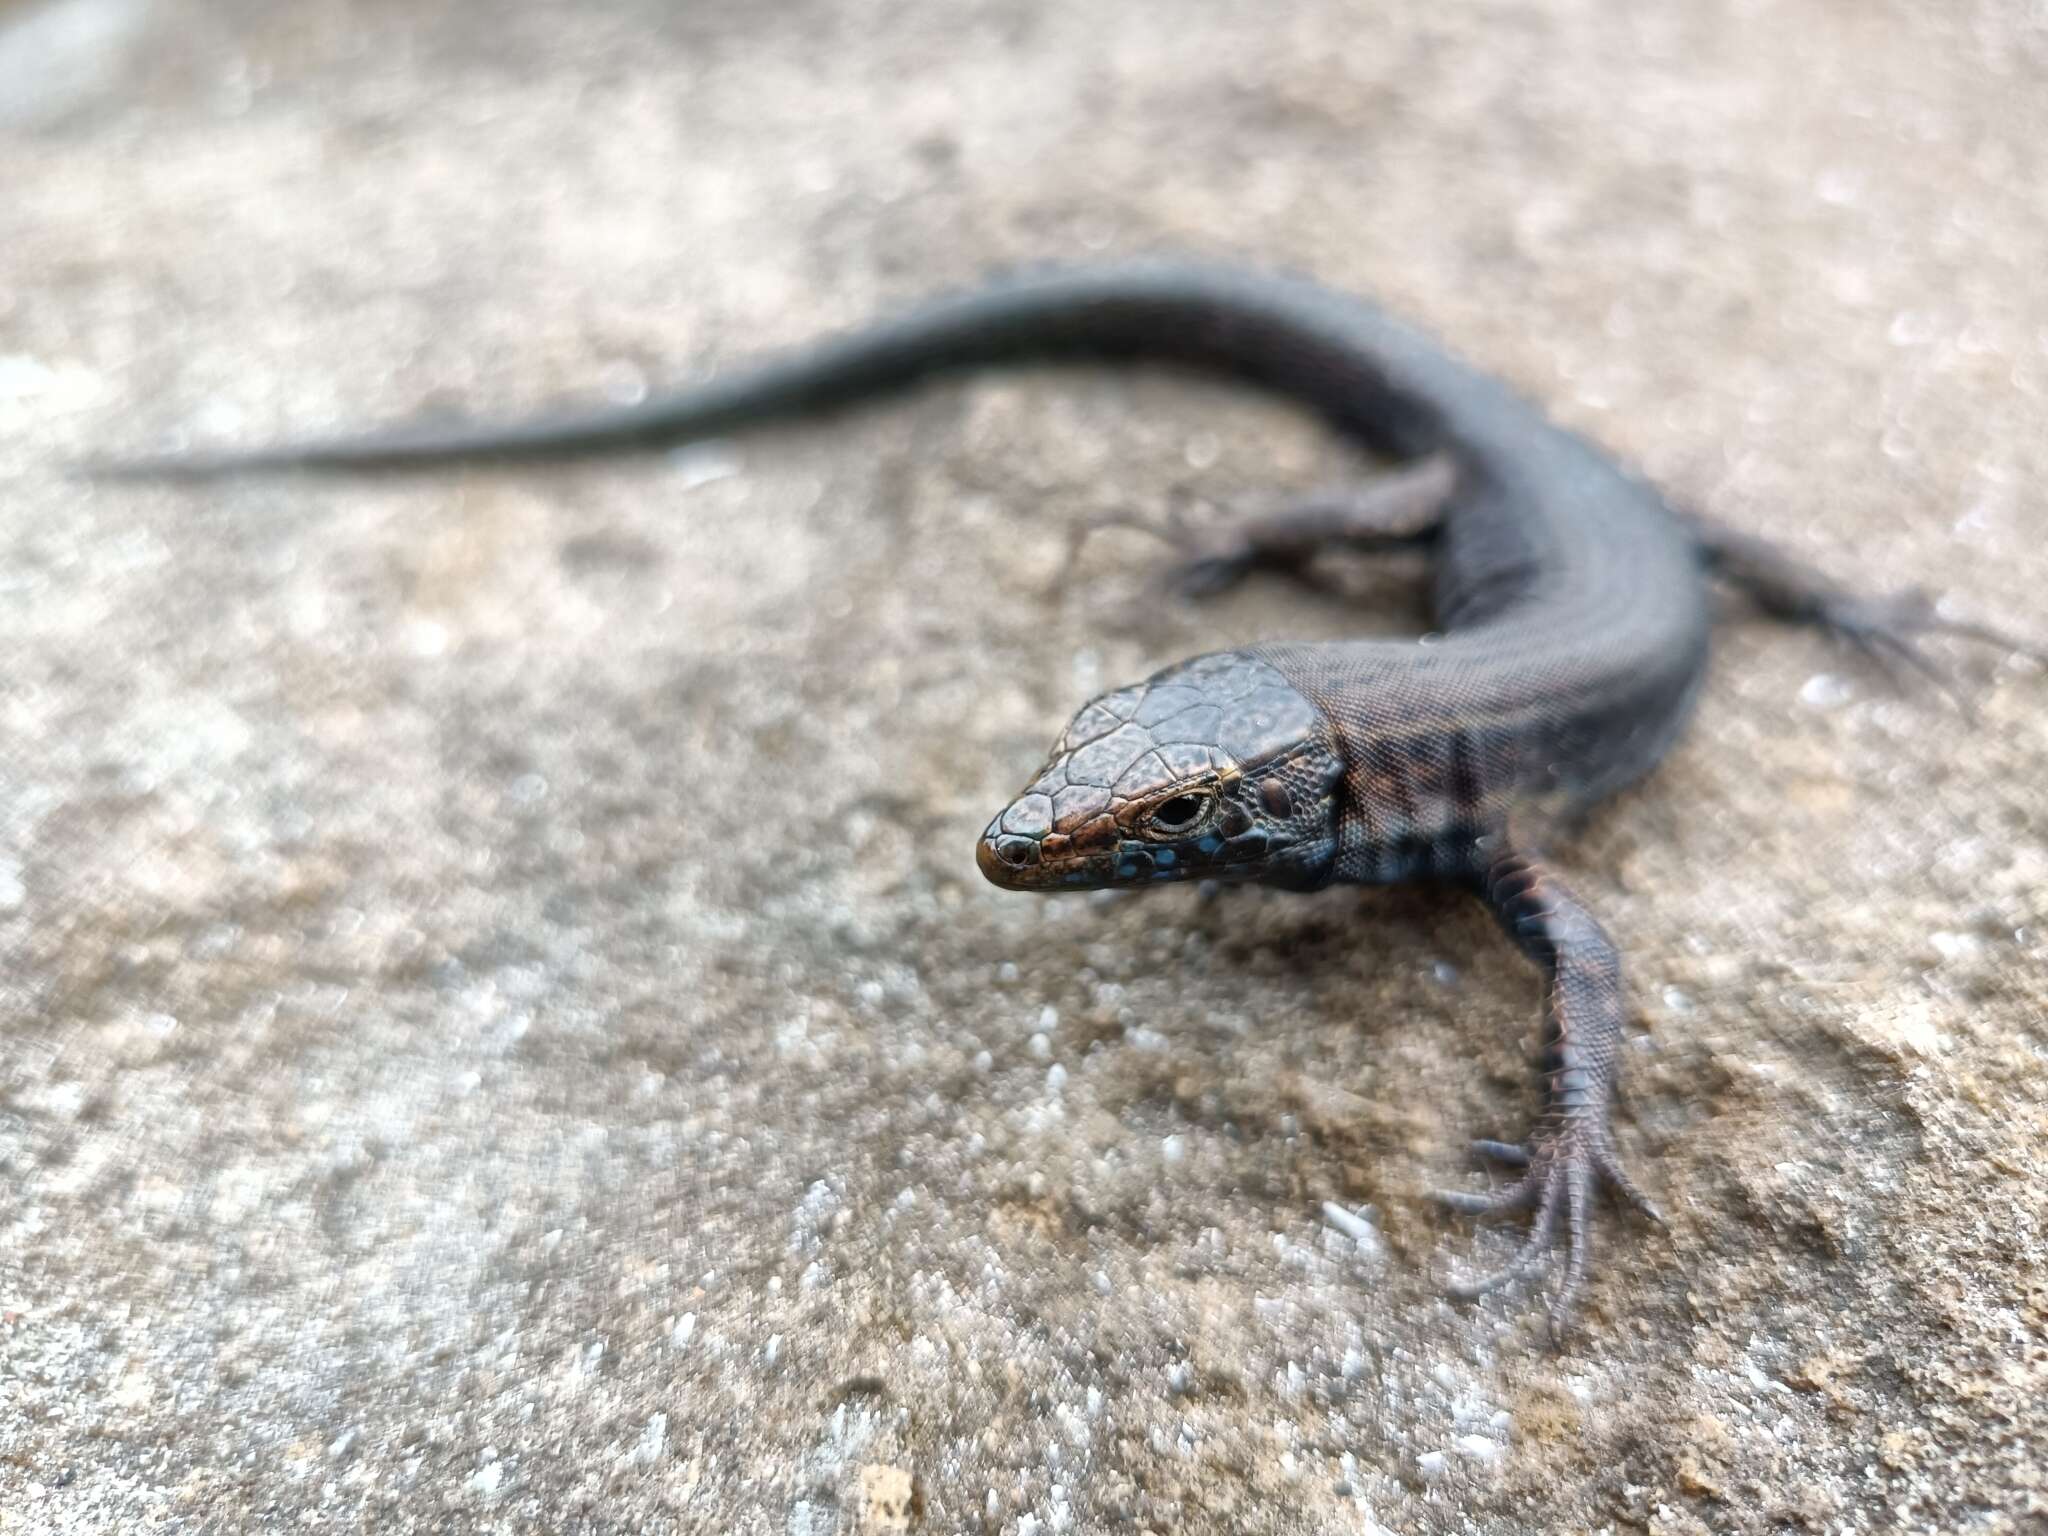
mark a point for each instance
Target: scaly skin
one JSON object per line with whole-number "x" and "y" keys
{"x": 1571, "y": 605}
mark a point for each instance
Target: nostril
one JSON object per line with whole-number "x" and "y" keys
{"x": 1017, "y": 851}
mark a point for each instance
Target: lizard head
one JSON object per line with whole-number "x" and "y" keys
{"x": 1215, "y": 769}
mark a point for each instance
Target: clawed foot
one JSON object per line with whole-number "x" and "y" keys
{"x": 1888, "y": 631}
{"x": 1565, "y": 1164}
{"x": 1399, "y": 509}
{"x": 1210, "y": 562}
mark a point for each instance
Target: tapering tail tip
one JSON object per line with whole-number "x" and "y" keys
{"x": 155, "y": 466}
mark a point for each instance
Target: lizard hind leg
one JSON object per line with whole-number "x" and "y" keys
{"x": 1400, "y": 509}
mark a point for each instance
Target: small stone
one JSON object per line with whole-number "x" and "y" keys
{"x": 1352, "y": 1226}
{"x": 652, "y": 1444}
{"x": 1825, "y": 691}
{"x": 134, "y": 1390}
{"x": 701, "y": 464}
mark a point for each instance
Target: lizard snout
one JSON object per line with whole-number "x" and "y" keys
{"x": 1006, "y": 858}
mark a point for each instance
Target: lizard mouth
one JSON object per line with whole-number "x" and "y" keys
{"x": 1048, "y": 861}
{"x": 1018, "y": 861}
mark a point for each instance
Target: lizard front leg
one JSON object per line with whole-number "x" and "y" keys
{"x": 1397, "y": 510}
{"x": 1571, "y": 1151}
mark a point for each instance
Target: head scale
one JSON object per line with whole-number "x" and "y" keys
{"x": 1214, "y": 769}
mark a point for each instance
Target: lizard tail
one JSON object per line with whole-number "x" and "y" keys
{"x": 1375, "y": 378}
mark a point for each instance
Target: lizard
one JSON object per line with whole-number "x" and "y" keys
{"x": 1571, "y": 617}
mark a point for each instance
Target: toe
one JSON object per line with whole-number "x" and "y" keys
{"x": 1579, "y": 1238}
{"x": 1517, "y": 1196}
{"x": 1617, "y": 1178}
{"x": 1528, "y": 1258}
{"x": 1203, "y": 576}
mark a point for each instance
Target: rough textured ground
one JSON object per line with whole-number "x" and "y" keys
{"x": 502, "y": 1029}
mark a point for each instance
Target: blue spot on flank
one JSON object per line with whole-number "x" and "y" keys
{"x": 1077, "y": 877}
{"x": 1127, "y": 871}
{"x": 1162, "y": 874}
{"x": 1164, "y": 855}
{"x": 1210, "y": 844}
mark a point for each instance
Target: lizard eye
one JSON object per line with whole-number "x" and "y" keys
{"x": 1181, "y": 812}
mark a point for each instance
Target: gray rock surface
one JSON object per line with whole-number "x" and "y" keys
{"x": 502, "y": 1027}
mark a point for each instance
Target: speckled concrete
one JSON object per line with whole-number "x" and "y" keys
{"x": 502, "y": 1029}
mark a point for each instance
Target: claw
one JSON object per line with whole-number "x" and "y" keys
{"x": 1608, "y": 1166}
{"x": 1218, "y": 565}
{"x": 1517, "y": 1196}
{"x": 1171, "y": 531}
{"x": 1889, "y": 649}
{"x": 1503, "y": 1152}
{"x": 1528, "y": 1258}
{"x": 1984, "y": 634}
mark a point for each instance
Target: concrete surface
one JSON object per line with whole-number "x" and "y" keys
{"x": 502, "y": 1027}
